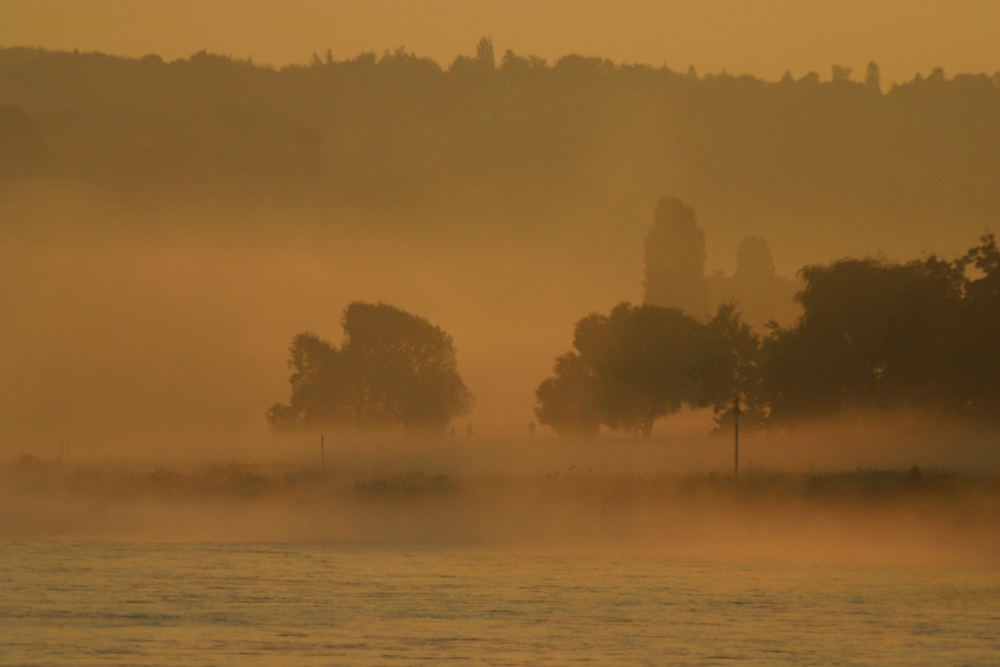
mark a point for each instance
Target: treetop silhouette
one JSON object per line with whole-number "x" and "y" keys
{"x": 394, "y": 370}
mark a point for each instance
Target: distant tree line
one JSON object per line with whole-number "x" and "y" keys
{"x": 874, "y": 335}
{"x": 396, "y": 130}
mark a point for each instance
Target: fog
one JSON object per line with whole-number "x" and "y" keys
{"x": 918, "y": 516}
{"x": 174, "y": 341}
{"x": 161, "y": 444}
{"x": 152, "y": 341}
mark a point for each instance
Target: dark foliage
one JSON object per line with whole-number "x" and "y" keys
{"x": 394, "y": 370}
{"x": 878, "y": 335}
{"x": 627, "y": 369}
{"x": 875, "y": 336}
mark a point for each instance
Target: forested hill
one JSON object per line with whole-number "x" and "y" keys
{"x": 812, "y": 160}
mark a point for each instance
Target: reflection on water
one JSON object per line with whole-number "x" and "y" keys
{"x": 144, "y": 603}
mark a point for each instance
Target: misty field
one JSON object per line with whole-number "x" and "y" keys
{"x": 910, "y": 515}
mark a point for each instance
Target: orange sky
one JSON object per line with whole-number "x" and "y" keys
{"x": 762, "y": 37}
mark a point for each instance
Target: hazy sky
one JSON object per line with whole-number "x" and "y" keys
{"x": 762, "y": 37}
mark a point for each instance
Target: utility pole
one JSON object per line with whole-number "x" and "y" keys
{"x": 736, "y": 437}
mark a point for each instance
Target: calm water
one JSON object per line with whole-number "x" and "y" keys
{"x": 101, "y": 603}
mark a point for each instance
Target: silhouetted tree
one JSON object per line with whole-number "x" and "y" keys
{"x": 979, "y": 345}
{"x": 569, "y": 401}
{"x": 759, "y": 294}
{"x": 873, "y": 334}
{"x": 841, "y": 74}
{"x": 514, "y": 64}
{"x": 629, "y": 368}
{"x": 675, "y": 260}
{"x": 319, "y": 387}
{"x": 483, "y": 62}
{"x": 730, "y": 367}
{"x": 484, "y": 53}
{"x": 872, "y": 77}
{"x": 393, "y": 370}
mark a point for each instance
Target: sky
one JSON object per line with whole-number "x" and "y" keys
{"x": 762, "y": 37}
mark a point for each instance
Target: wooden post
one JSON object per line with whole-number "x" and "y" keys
{"x": 322, "y": 451}
{"x": 736, "y": 437}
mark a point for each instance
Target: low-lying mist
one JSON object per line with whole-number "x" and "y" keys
{"x": 899, "y": 490}
{"x": 911, "y": 516}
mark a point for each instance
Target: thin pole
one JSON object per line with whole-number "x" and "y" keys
{"x": 736, "y": 436}
{"x": 322, "y": 451}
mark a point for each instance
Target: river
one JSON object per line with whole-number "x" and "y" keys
{"x": 121, "y": 602}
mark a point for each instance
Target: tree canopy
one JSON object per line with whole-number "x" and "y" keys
{"x": 874, "y": 335}
{"x": 393, "y": 370}
{"x": 885, "y": 335}
{"x": 627, "y": 369}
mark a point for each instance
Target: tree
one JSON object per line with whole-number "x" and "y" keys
{"x": 484, "y": 61}
{"x": 840, "y": 74}
{"x": 629, "y": 368}
{"x": 394, "y": 370}
{"x": 979, "y": 347}
{"x": 568, "y": 401}
{"x": 873, "y": 334}
{"x": 318, "y": 387}
{"x": 729, "y": 368}
{"x": 872, "y": 77}
{"x": 484, "y": 53}
{"x": 759, "y": 293}
{"x": 675, "y": 260}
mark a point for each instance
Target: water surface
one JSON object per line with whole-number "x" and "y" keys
{"x": 197, "y": 603}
